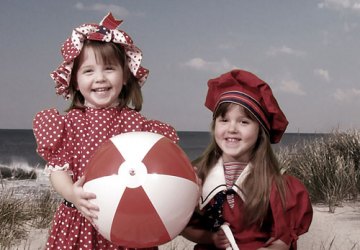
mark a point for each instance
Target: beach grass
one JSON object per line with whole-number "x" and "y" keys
{"x": 328, "y": 166}
{"x": 19, "y": 215}
{"x": 14, "y": 216}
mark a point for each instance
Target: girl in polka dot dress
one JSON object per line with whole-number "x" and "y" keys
{"x": 101, "y": 73}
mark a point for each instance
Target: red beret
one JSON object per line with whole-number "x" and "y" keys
{"x": 244, "y": 88}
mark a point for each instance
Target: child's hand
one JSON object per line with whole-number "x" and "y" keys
{"x": 220, "y": 240}
{"x": 81, "y": 200}
{"x": 276, "y": 245}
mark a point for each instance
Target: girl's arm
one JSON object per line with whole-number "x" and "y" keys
{"x": 206, "y": 237}
{"x": 74, "y": 193}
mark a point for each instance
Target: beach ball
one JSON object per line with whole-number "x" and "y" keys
{"x": 145, "y": 188}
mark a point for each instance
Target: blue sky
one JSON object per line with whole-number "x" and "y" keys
{"x": 308, "y": 51}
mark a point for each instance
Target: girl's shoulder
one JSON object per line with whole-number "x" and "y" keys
{"x": 53, "y": 116}
{"x": 293, "y": 188}
{"x": 54, "y": 113}
{"x": 49, "y": 130}
{"x": 47, "y": 116}
{"x": 296, "y": 194}
{"x": 297, "y": 197}
{"x": 294, "y": 184}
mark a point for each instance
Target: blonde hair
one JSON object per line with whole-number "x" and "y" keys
{"x": 108, "y": 53}
{"x": 264, "y": 172}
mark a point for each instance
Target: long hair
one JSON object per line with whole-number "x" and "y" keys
{"x": 264, "y": 171}
{"x": 108, "y": 53}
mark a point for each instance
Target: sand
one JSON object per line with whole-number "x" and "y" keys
{"x": 340, "y": 230}
{"x": 336, "y": 231}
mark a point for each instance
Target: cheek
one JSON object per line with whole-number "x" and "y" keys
{"x": 218, "y": 132}
{"x": 79, "y": 83}
{"x": 253, "y": 134}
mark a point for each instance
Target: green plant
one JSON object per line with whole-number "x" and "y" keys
{"x": 43, "y": 209}
{"x": 19, "y": 215}
{"x": 14, "y": 216}
{"x": 328, "y": 166}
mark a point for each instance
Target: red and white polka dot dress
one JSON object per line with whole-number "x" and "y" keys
{"x": 72, "y": 139}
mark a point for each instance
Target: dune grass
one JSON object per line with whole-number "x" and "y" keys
{"x": 19, "y": 215}
{"x": 328, "y": 166}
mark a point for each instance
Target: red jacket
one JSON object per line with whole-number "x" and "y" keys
{"x": 284, "y": 224}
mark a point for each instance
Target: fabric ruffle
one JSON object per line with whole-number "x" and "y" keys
{"x": 50, "y": 168}
{"x": 51, "y": 139}
{"x": 105, "y": 31}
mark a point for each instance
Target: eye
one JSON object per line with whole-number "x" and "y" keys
{"x": 87, "y": 71}
{"x": 222, "y": 119}
{"x": 244, "y": 122}
{"x": 109, "y": 67}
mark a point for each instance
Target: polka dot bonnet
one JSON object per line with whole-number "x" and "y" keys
{"x": 246, "y": 89}
{"x": 105, "y": 31}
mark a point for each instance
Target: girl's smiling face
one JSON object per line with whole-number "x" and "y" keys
{"x": 98, "y": 82}
{"x": 236, "y": 133}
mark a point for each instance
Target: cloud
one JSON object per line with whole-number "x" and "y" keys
{"x": 274, "y": 51}
{"x": 323, "y": 73}
{"x": 215, "y": 67}
{"x": 348, "y": 27}
{"x": 116, "y": 10}
{"x": 340, "y": 4}
{"x": 347, "y": 95}
{"x": 292, "y": 87}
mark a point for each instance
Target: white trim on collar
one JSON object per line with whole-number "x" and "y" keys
{"x": 215, "y": 182}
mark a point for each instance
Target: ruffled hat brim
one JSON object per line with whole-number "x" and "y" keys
{"x": 105, "y": 31}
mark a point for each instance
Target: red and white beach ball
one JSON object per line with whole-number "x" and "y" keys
{"x": 145, "y": 188}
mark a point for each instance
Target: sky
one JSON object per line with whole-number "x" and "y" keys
{"x": 307, "y": 51}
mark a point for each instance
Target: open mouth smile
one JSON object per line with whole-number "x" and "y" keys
{"x": 232, "y": 139}
{"x": 101, "y": 89}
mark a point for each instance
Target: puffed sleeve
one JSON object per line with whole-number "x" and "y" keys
{"x": 295, "y": 219}
{"x": 164, "y": 129}
{"x": 50, "y": 133}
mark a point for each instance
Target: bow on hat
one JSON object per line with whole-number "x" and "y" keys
{"x": 105, "y": 31}
{"x": 246, "y": 89}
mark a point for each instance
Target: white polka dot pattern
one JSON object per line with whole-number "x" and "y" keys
{"x": 105, "y": 31}
{"x": 72, "y": 139}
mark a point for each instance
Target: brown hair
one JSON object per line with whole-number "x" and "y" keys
{"x": 264, "y": 172}
{"x": 108, "y": 53}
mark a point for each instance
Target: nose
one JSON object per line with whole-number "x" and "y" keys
{"x": 233, "y": 127}
{"x": 99, "y": 77}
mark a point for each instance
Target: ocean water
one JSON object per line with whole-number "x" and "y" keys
{"x": 18, "y": 146}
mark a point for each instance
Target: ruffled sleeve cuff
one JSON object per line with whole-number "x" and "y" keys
{"x": 51, "y": 168}
{"x": 295, "y": 219}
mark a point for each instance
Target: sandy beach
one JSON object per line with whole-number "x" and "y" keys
{"x": 336, "y": 231}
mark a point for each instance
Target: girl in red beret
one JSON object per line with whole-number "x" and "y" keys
{"x": 101, "y": 73}
{"x": 246, "y": 202}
